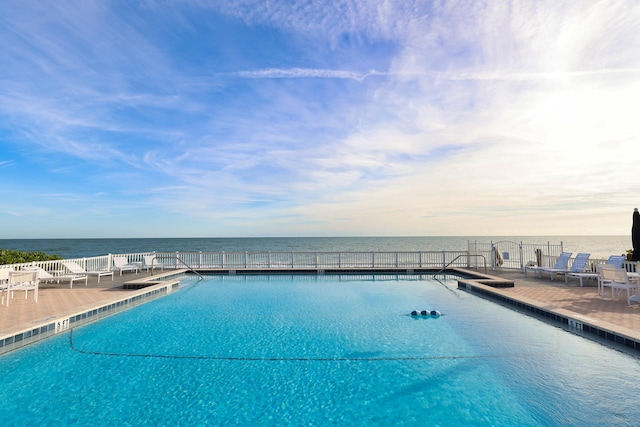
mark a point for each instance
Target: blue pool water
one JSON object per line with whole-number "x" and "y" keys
{"x": 319, "y": 350}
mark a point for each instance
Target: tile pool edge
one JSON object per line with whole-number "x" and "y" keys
{"x": 595, "y": 330}
{"x": 54, "y": 325}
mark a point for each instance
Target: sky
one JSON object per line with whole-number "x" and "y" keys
{"x": 258, "y": 118}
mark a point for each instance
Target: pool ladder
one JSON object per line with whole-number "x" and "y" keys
{"x": 177, "y": 258}
{"x": 460, "y": 256}
{"x": 190, "y": 268}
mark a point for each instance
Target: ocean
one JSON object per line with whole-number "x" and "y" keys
{"x": 598, "y": 246}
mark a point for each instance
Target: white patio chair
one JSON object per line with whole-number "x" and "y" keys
{"x": 22, "y": 281}
{"x": 617, "y": 279}
{"x": 75, "y": 268}
{"x": 4, "y": 281}
{"x": 121, "y": 263}
{"x": 45, "y": 276}
{"x": 150, "y": 262}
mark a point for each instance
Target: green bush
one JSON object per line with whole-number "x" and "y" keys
{"x": 9, "y": 256}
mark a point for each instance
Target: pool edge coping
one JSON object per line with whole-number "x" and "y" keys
{"x": 592, "y": 329}
{"x": 153, "y": 287}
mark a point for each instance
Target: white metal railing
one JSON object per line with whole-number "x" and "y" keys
{"x": 314, "y": 260}
{"x": 277, "y": 260}
{"x": 492, "y": 255}
{"x": 508, "y": 254}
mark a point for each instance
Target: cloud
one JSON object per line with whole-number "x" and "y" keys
{"x": 299, "y": 73}
{"x": 321, "y": 115}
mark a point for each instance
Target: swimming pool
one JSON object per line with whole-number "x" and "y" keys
{"x": 319, "y": 350}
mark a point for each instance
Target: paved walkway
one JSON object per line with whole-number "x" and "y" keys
{"x": 56, "y": 301}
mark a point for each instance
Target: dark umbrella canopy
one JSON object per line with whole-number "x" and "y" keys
{"x": 635, "y": 235}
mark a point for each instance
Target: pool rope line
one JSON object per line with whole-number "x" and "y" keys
{"x": 303, "y": 359}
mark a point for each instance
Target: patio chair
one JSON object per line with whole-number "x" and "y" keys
{"x": 560, "y": 265}
{"x": 45, "y": 276}
{"x": 22, "y": 281}
{"x": 617, "y": 279}
{"x": 150, "y": 262}
{"x": 578, "y": 265}
{"x": 4, "y": 281}
{"x": 121, "y": 263}
{"x": 75, "y": 268}
{"x": 615, "y": 260}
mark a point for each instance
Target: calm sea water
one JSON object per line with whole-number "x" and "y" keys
{"x": 597, "y": 246}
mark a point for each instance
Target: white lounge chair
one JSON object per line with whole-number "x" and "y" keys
{"x": 121, "y": 263}
{"x": 561, "y": 264}
{"x": 75, "y": 268}
{"x": 617, "y": 279}
{"x": 150, "y": 262}
{"x": 578, "y": 266}
{"x": 22, "y": 281}
{"x": 45, "y": 276}
{"x": 615, "y": 260}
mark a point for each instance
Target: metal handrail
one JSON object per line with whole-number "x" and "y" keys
{"x": 177, "y": 258}
{"x": 465, "y": 255}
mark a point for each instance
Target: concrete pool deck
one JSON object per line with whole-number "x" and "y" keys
{"x": 583, "y": 304}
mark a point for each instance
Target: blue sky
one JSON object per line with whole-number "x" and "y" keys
{"x": 192, "y": 118}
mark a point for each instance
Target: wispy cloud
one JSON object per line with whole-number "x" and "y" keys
{"x": 324, "y": 116}
{"x": 300, "y": 73}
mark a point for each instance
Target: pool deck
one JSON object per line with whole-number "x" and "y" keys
{"x": 580, "y": 309}
{"x": 569, "y": 301}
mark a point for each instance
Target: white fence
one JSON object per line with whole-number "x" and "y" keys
{"x": 517, "y": 255}
{"x": 316, "y": 260}
{"x": 492, "y": 255}
{"x": 509, "y": 254}
{"x": 280, "y": 260}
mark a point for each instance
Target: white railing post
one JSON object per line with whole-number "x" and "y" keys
{"x": 521, "y": 256}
